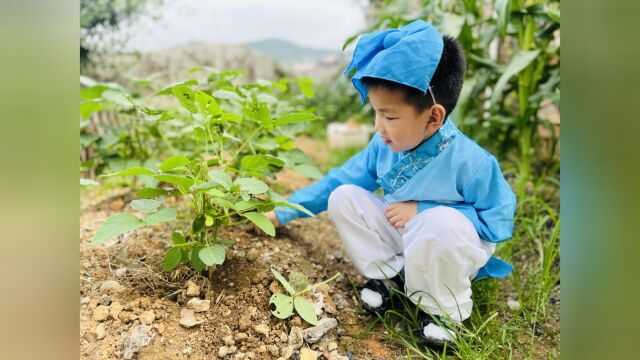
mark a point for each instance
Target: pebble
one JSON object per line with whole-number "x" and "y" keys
{"x": 91, "y": 336}
{"x": 226, "y": 350}
{"x": 100, "y": 331}
{"x": 252, "y": 255}
{"x": 105, "y": 300}
{"x": 147, "y": 317}
{"x": 228, "y": 340}
{"x": 332, "y": 346}
{"x": 262, "y": 329}
{"x": 313, "y": 334}
{"x": 137, "y": 338}
{"x": 161, "y": 328}
{"x": 245, "y": 321}
{"x": 307, "y": 354}
{"x": 240, "y": 337}
{"x": 513, "y": 304}
{"x": 117, "y": 205}
{"x": 110, "y": 286}
{"x": 120, "y": 272}
{"x": 295, "y": 337}
{"x": 192, "y": 289}
{"x": 188, "y": 319}
{"x": 100, "y": 313}
{"x": 115, "y": 309}
{"x": 198, "y": 305}
{"x": 273, "y": 350}
{"x": 85, "y": 300}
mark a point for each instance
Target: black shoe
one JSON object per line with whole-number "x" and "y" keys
{"x": 376, "y": 296}
{"x": 436, "y": 330}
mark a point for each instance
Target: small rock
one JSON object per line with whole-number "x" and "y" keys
{"x": 105, "y": 300}
{"x": 296, "y": 321}
{"x": 252, "y": 255}
{"x": 240, "y": 337}
{"x": 226, "y": 350}
{"x": 513, "y": 304}
{"x": 276, "y": 287}
{"x": 115, "y": 309}
{"x": 188, "y": 318}
{"x": 110, "y": 286}
{"x": 198, "y": 305}
{"x": 101, "y": 313}
{"x": 192, "y": 289}
{"x": 313, "y": 334}
{"x": 307, "y": 354}
{"x": 286, "y": 352}
{"x": 341, "y": 303}
{"x": 85, "y": 300}
{"x": 228, "y": 340}
{"x": 100, "y": 331}
{"x": 147, "y": 317}
{"x": 91, "y": 336}
{"x": 262, "y": 329}
{"x": 117, "y": 205}
{"x": 137, "y": 338}
{"x": 245, "y": 321}
{"x": 273, "y": 350}
{"x": 332, "y": 346}
{"x": 295, "y": 337}
{"x": 188, "y": 350}
{"x": 161, "y": 328}
{"x": 120, "y": 272}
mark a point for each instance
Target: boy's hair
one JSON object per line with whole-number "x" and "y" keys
{"x": 446, "y": 82}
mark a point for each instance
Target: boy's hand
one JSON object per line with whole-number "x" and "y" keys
{"x": 271, "y": 215}
{"x": 399, "y": 214}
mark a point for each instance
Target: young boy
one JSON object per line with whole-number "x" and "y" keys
{"x": 446, "y": 202}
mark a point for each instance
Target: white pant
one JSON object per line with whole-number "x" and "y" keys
{"x": 439, "y": 249}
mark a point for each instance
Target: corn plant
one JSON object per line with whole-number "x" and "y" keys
{"x": 236, "y": 141}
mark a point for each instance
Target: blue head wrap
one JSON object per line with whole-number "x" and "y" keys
{"x": 408, "y": 55}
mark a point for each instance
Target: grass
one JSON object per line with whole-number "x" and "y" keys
{"x": 494, "y": 331}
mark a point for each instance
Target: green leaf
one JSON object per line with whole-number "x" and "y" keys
{"x": 118, "y": 98}
{"x": 116, "y": 225}
{"x": 174, "y": 162}
{"x": 221, "y": 178}
{"x": 162, "y": 215}
{"x": 178, "y": 238}
{"x": 208, "y": 220}
{"x": 145, "y": 205}
{"x": 502, "y": 12}
{"x": 259, "y": 163}
{"x": 246, "y": 205}
{"x": 171, "y": 259}
{"x": 261, "y": 221}
{"x": 132, "y": 171}
{"x": 306, "y": 86}
{"x": 85, "y": 182}
{"x": 294, "y": 206}
{"x": 283, "y": 305}
{"x": 185, "y": 95}
{"x": 308, "y": 170}
{"x": 199, "y": 134}
{"x": 198, "y": 223}
{"x": 222, "y": 203}
{"x": 283, "y": 281}
{"x": 251, "y": 186}
{"x": 148, "y": 193}
{"x": 227, "y": 95}
{"x": 212, "y": 255}
{"x": 306, "y": 310}
{"x": 295, "y": 118}
{"x": 228, "y": 117}
{"x": 178, "y": 180}
{"x": 298, "y": 280}
{"x": 225, "y": 242}
{"x": 216, "y": 193}
{"x": 169, "y": 89}
{"x": 518, "y": 63}
{"x": 197, "y": 264}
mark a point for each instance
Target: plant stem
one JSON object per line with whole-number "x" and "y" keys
{"x": 316, "y": 285}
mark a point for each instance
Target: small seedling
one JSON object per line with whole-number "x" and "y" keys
{"x": 296, "y": 287}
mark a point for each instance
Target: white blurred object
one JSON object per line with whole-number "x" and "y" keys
{"x": 348, "y": 134}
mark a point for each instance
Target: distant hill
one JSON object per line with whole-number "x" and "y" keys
{"x": 287, "y": 53}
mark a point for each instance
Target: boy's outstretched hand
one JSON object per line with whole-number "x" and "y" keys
{"x": 399, "y": 214}
{"x": 271, "y": 215}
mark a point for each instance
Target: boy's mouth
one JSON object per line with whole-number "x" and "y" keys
{"x": 386, "y": 141}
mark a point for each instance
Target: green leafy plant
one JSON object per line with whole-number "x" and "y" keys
{"x": 297, "y": 286}
{"x": 234, "y": 141}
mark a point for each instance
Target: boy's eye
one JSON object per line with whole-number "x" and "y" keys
{"x": 390, "y": 118}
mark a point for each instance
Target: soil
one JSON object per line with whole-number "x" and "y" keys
{"x": 141, "y": 312}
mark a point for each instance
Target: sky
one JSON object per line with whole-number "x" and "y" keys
{"x": 323, "y": 24}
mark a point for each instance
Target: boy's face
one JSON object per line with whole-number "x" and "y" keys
{"x": 400, "y": 126}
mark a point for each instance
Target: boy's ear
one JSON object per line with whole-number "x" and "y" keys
{"x": 437, "y": 115}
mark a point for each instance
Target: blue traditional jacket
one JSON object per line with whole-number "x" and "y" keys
{"x": 448, "y": 169}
